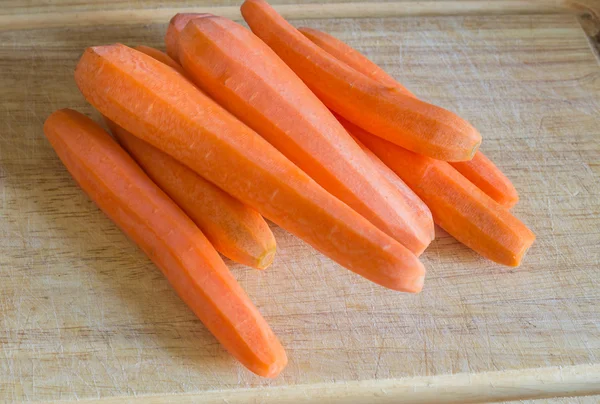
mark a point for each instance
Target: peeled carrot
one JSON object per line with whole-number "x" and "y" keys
{"x": 403, "y": 120}
{"x": 244, "y": 75}
{"x": 161, "y": 57}
{"x": 422, "y": 212}
{"x": 480, "y": 170}
{"x": 350, "y": 56}
{"x": 458, "y": 206}
{"x": 235, "y": 230}
{"x": 158, "y": 105}
{"x": 176, "y": 25}
{"x": 156, "y": 224}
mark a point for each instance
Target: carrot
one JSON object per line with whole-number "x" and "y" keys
{"x": 458, "y": 206}
{"x": 235, "y": 230}
{"x": 187, "y": 259}
{"x": 176, "y": 25}
{"x": 481, "y": 171}
{"x": 423, "y": 214}
{"x": 403, "y": 120}
{"x": 243, "y": 74}
{"x": 161, "y": 57}
{"x": 350, "y": 56}
{"x": 158, "y": 105}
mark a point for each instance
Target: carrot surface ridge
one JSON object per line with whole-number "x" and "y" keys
{"x": 161, "y": 57}
{"x": 353, "y": 58}
{"x": 417, "y": 205}
{"x": 176, "y": 25}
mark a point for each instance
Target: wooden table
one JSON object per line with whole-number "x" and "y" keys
{"x": 84, "y": 315}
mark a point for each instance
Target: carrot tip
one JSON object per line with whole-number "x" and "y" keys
{"x": 509, "y": 204}
{"x": 265, "y": 260}
{"x": 521, "y": 255}
{"x": 474, "y": 150}
{"x": 276, "y": 368}
{"x": 417, "y": 284}
{"x": 412, "y": 284}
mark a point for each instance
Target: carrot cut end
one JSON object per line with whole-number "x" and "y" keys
{"x": 519, "y": 257}
{"x": 415, "y": 285}
{"x": 474, "y": 150}
{"x": 510, "y": 203}
{"x": 266, "y": 259}
{"x": 275, "y": 368}
{"x": 418, "y": 284}
{"x": 418, "y": 252}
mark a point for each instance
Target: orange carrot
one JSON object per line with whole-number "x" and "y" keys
{"x": 243, "y": 74}
{"x": 403, "y": 120}
{"x": 156, "y": 224}
{"x": 176, "y": 25}
{"x": 161, "y": 57}
{"x": 480, "y": 170}
{"x": 422, "y": 212}
{"x": 458, "y": 206}
{"x": 350, "y": 56}
{"x": 235, "y": 230}
{"x": 158, "y": 105}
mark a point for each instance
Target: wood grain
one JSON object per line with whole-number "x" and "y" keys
{"x": 15, "y": 15}
{"x": 591, "y": 25}
{"x": 84, "y": 315}
{"x": 446, "y": 389}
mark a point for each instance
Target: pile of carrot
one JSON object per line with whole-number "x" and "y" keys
{"x": 233, "y": 126}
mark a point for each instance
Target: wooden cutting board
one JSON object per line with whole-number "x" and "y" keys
{"x": 85, "y": 315}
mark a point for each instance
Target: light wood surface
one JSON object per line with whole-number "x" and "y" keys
{"x": 446, "y": 389}
{"x": 84, "y": 315}
{"x": 16, "y": 15}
